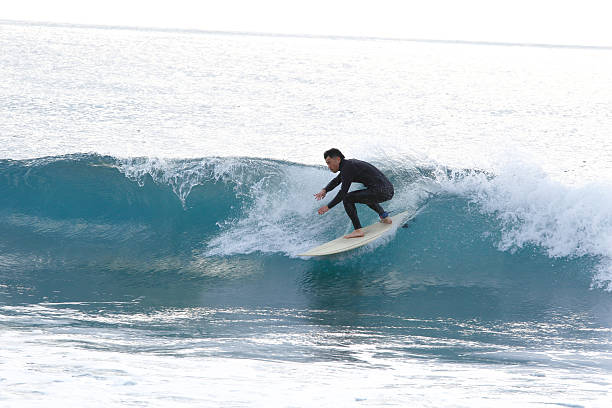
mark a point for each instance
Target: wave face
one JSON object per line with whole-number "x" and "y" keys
{"x": 79, "y": 219}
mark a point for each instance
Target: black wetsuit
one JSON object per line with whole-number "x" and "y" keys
{"x": 378, "y": 188}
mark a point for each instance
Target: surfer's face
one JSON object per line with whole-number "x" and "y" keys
{"x": 333, "y": 163}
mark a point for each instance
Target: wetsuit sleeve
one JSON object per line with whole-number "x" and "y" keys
{"x": 332, "y": 184}
{"x": 346, "y": 184}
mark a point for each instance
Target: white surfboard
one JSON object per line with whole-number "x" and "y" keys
{"x": 372, "y": 232}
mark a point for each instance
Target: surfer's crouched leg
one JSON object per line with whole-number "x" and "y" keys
{"x": 370, "y": 197}
{"x": 351, "y": 210}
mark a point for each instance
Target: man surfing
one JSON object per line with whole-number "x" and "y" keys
{"x": 378, "y": 188}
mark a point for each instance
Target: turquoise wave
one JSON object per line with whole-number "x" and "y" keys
{"x": 102, "y": 225}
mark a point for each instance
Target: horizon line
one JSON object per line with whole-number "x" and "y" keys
{"x": 311, "y": 36}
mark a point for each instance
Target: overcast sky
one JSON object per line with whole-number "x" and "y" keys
{"x": 585, "y": 22}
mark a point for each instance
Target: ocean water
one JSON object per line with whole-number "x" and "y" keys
{"x": 156, "y": 188}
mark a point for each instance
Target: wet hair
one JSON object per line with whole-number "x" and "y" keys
{"x": 331, "y": 153}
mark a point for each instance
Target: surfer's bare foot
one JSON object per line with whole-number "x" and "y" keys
{"x": 386, "y": 220}
{"x": 355, "y": 234}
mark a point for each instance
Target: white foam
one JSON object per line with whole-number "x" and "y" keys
{"x": 282, "y": 216}
{"x": 534, "y": 209}
{"x": 182, "y": 176}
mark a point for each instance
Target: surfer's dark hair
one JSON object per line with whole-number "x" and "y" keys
{"x": 331, "y": 153}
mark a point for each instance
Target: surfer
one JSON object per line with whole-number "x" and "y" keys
{"x": 378, "y": 188}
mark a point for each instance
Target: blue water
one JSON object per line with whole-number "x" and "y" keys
{"x": 172, "y": 278}
{"x": 76, "y": 228}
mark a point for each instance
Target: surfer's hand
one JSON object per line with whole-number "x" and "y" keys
{"x": 320, "y": 194}
{"x": 323, "y": 210}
